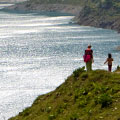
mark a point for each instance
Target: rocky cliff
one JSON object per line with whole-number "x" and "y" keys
{"x": 91, "y": 13}
{"x": 102, "y": 18}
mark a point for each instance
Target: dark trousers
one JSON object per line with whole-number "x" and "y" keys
{"x": 109, "y": 68}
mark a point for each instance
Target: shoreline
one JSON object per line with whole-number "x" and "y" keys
{"x": 93, "y": 19}
{"x": 63, "y": 8}
{"x": 69, "y": 9}
{"x": 98, "y": 19}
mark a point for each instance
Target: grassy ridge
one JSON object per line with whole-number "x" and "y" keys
{"x": 83, "y": 96}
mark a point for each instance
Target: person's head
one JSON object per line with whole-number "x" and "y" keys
{"x": 109, "y": 55}
{"x": 89, "y": 46}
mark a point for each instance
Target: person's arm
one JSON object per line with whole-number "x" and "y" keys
{"x": 106, "y": 61}
{"x": 92, "y": 56}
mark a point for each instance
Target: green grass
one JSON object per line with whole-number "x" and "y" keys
{"x": 83, "y": 96}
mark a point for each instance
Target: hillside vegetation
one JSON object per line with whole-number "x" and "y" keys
{"x": 83, "y": 96}
{"x": 91, "y": 3}
{"x": 79, "y": 2}
{"x": 96, "y": 13}
{"x": 101, "y": 13}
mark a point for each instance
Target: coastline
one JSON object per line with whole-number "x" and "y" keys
{"x": 63, "y": 8}
{"x": 98, "y": 19}
{"x": 60, "y": 8}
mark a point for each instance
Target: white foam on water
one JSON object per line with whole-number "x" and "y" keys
{"x": 4, "y": 5}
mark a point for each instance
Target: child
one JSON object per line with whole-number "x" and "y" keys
{"x": 109, "y": 61}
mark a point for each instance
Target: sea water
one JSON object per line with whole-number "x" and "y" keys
{"x": 39, "y": 50}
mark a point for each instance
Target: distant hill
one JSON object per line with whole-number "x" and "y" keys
{"x": 101, "y": 13}
{"x": 97, "y": 13}
{"x": 79, "y": 2}
{"x": 12, "y": 1}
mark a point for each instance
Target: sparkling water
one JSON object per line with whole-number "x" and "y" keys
{"x": 38, "y": 51}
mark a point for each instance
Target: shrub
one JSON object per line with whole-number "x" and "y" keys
{"x": 51, "y": 117}
{"x": 84, "y": 76}
{"x": 77, "y": 72}
{"x": 48, "y": 109}
{"x": 26, "y": 112}
{"x": 98, "y": 88}
{"x": 82, "y": 103}
{"x": 104, "y": 99}
{"x": 74, "y": 116}
{"x": 60, "y": 110}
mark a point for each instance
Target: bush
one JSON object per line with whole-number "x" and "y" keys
{"x": 74, "y": 116}
{"x": 98, "y": 88}
{"x": 104, "y": 99}
{"x": 60, "y": 110}
{"x": 84, "y": 76}
{"x": 82, "y": 103}
{"x": 51, "y": 117}
{"x": 77, "y": 72}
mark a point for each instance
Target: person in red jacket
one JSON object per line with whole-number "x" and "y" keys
{"x": 88, "y": 58}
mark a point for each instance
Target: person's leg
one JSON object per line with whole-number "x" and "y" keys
{"x": 89, "y": 66}
{"x": 109, "y": 68}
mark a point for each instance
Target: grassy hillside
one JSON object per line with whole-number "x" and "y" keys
{"x": 83, "y": 96}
